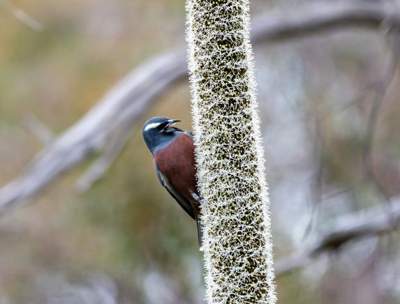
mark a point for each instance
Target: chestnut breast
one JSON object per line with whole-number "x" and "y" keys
{"x": 177, "y": 163}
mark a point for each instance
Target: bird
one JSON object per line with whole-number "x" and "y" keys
{"x": 172, "y": 150}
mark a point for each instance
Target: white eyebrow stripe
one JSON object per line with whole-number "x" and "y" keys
{"x": 152, "y": 125}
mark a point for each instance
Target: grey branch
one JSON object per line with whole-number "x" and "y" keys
{"x": 374, "y": 222}
{"x": 131, "y": 97}
{"x": 324, "y": 17}
{"x": 125, "y": 102}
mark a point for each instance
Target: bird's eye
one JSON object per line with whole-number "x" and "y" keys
{"x": 163, "y": 126}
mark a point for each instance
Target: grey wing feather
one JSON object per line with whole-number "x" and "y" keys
{"x": 181, "y": 201}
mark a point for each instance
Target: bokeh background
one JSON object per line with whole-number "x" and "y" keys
{"x": 330, "y": 116}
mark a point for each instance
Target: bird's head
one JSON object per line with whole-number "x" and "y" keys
{"x": 159, "y": 131}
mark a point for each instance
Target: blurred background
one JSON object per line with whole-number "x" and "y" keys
{"x": 330, "y": 119}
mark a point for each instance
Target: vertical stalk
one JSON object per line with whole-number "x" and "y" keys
{"x": 229, "y": 154}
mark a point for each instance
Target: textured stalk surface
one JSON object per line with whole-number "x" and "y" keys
{"x": 237, "y": 239}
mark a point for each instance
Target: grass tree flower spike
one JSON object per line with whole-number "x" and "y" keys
{"x": 237, "y": 238}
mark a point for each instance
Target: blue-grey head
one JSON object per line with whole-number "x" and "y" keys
{"x": 159, "y": 131}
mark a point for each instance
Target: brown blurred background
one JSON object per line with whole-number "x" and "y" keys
{"x": 329, "y": 108}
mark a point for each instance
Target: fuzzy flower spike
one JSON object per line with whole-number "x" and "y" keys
{"x": 229, "y": 154}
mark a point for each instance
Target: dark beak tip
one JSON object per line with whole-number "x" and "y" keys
{"x": 174, "y": 121}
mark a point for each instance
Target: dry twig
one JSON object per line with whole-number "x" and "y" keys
{"x": 374, "y": 222}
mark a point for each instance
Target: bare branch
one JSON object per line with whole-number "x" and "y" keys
{"x": 374, "y": 222}
{"x": 322, "y": 17}
{"x": 131, "y": 97}
{"x": 100, "y": 166}
{"x": 125, "y": 102}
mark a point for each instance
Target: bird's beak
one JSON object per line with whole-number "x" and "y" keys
{"x": 172, "y": 122}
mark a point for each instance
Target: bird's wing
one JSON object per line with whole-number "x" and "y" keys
{"x": 181, "y": 201}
